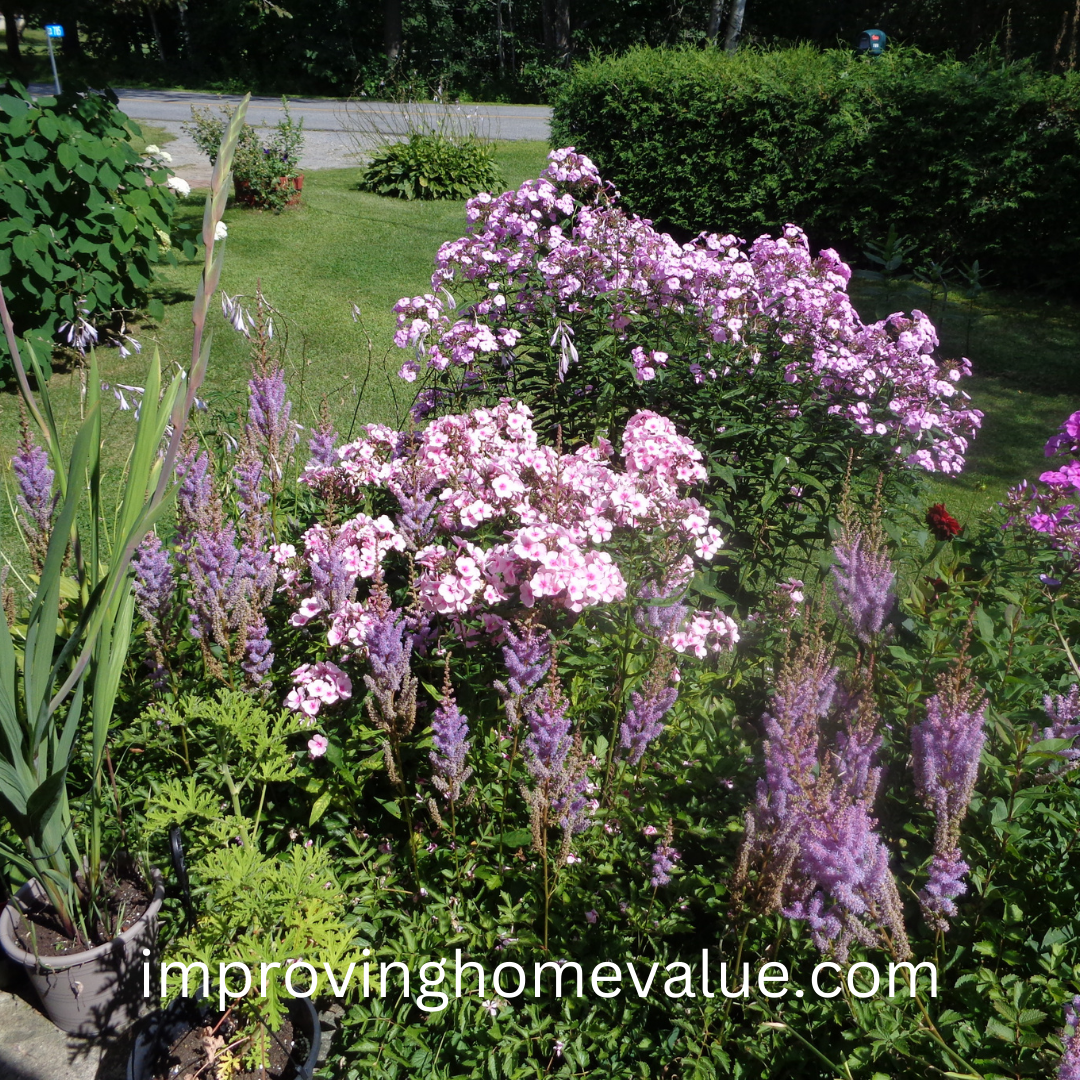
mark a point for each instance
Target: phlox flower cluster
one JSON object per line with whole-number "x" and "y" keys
{"x": 1055, "y": 510}
{"x": 559, "y": 248}
{"x": 945, "y": 750}
{"x": 559, "y": 521}
{"x": 811, "y": 832}
{"x": 316, "y": 685}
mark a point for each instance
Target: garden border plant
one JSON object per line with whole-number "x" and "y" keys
{"x": 42, "y": 701}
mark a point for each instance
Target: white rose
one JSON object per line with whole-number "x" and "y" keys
{"x": 180, "y": 186}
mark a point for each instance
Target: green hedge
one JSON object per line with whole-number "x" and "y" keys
{"x": 976, "y": 160}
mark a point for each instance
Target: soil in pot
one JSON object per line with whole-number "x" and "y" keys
{"x": 186, "y": 1040}
{"x": 190, "y": 1056}
{"x": 86, "y": 991}
{"x": 40, "y": 932}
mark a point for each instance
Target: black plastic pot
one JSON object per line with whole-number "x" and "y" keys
{"x": 159, "y": 1031}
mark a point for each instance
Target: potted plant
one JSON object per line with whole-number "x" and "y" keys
{"x": 266, "y": 168}
{"x": 263, "y": 902}
{"x": 60, "y": 668}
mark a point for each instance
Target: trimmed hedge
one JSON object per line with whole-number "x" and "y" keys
{"x": 975, "y": 160}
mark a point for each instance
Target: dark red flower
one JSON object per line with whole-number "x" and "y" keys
{"x": 942, "y": 524}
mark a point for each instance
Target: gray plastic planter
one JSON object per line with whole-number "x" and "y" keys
{"x": 89, "y": 993}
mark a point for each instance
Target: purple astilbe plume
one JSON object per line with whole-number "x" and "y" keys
{"x": 659, "y": 619}
{"x": 322, "y": 445}
{"x": 549, "y": 740}
{"x": 229, "y": 572}
{"x": 556, "y": 765}
{"x": 645, "y": 717}
{"x": 811, "y": 832}
{"x": 945, "y": 751}
{"x": 35, "y": 499}
{"x": 527, "y": 656}
{"x": 417, "y": 517}
{"x": 863, "y": 579}
{"x": 255, "y": 569}
{"x": 449, "y": 732}
{"x": 269, "y": 423}
{"x": 1069, "y": 1069}
{"x": 391, "y": 703}
{"x": 155, "y": 597}
{"x": 664, "y": 857}
{"x": 1063, "y": 712}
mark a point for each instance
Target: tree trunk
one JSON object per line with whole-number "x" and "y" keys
{"x": 499, "y": 39}
{"x": 11, "y": 32}
{"x": 547, "y": 12}
{"x": 70, "y": 45}
{"x": 157, "y": 32}
{"x": 513, "y": 36}
{"x": 734, "y": 25}
{"x": 563, "y": 43}
{"x": 715, "y": 14}
{"x": 392, "y": 31}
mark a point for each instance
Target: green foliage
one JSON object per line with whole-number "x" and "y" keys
{"x": 257, "y": 900}
{"x": 976, "y": 160}
{"x": 71, "y": 666}
{"x": 83, "y": 219}
{"x": 433, "y": 166}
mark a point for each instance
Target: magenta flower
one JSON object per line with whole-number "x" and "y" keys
{"x": 317, "y": 746}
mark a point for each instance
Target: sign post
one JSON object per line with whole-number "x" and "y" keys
{"x": 54, "y": 30}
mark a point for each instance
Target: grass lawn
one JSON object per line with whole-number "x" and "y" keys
{"x": 344, "y": 246}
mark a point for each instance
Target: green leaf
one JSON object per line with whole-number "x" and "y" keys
{"x": 320, "y": 806}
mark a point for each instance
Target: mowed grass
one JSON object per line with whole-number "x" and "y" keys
{"x": 344, "y": 247}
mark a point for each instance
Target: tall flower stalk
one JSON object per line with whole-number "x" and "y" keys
{"x": 945, "y": 751}
{"x": 811, "y": 833}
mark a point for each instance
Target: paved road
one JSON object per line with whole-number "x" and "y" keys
{"x": 338, "y": 133}
{"x": 330, "y": 114}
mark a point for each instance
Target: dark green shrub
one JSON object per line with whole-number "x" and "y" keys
{"x": 975, "y": 160}
{"x": 82, "y": 218}
{"x": 433, "y": 166}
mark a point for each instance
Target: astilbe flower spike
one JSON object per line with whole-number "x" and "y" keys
{"x": 556, "y": 765}
{"x": 810, "y": 832}
{"x": 450, "y": 732}
{"x": 863, "y": 577}
{"x": 645, "y": 716}
{"x": 945, "y": 751}
{"x": 155, "y": 598}
{"x": 35, "y": 498}
{"x": 663, "y": 858}
{"x": 391, "y": 703}
{"x": 1069, "y": 1069}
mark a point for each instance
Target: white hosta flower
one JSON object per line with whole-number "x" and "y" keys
{"x": 220, "y": 231}
{"x": 180, "y": 186}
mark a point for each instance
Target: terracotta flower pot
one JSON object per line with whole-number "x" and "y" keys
{"x": 160, "y": 1031}
{"x": 248, "y": 195}
{"x": 93, "y": 992}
